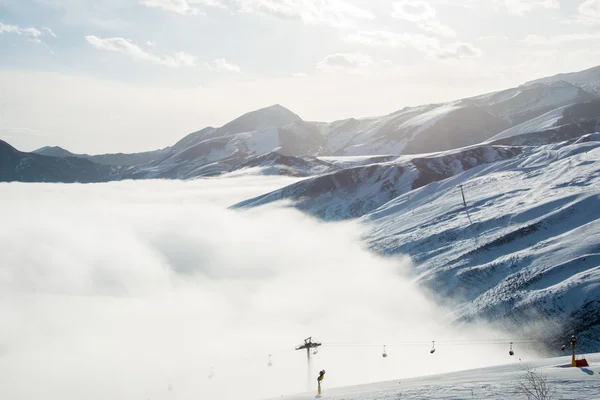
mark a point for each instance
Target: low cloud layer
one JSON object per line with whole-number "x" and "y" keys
{"x": 143, "y": 290}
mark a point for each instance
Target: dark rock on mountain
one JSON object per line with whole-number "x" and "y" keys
{"x": 31, "y": 167}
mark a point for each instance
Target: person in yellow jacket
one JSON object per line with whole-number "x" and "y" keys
{"x": 319, "y": 379}
{"x": 321, "y": 376}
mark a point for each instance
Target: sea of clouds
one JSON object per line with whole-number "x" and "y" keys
{"x": 155, "y": 290}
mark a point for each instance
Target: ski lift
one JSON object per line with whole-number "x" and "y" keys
{"x": 211, "y": 373}
{"x": 510, "y": 351}
{"x": 316, "y": 351}
{"x": 384, "y": 354}
{"x": 563, "y": 347}
{"x": 270, "y": 364}
{"x": 432, "y": 347}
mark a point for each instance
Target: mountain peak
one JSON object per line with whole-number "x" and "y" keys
{"x": 53, "y": 151}
{"x": 275, "y": 110}
{"x": 275, "y": 115}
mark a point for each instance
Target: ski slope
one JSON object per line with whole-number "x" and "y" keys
{"x": 486, "y": 383}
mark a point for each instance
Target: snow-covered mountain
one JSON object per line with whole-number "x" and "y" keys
{"x": 355, "y": 191}
{"x": 537, "y": 106}
{"x": 529, "y": 248}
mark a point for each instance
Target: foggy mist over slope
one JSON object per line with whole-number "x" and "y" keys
{"x": 140, "y": 290}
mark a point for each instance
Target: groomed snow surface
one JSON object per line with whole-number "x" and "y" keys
{"x": 486, "y": 383}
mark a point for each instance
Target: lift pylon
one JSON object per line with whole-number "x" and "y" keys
{"x": 308, "y": 344}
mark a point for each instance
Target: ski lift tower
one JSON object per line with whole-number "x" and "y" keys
{"x": 308, "y": 345}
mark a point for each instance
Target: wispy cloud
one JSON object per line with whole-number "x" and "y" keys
{"x": 221, "y": 64}
{"x": 589, "y": 12}
{"x": 124, "y": 46}
{"x": 423, "y": 15}
{"x": 457, "y": 51}
{"x": 32, "y": 33}
{"x": 413, "y": 10}
{"x": 354, "y": 62}
{"x": 337, "y": 13}
{"x": 183, "y": 7}
{"x": 48, "y": 31}
{"x": 425, "y": 44}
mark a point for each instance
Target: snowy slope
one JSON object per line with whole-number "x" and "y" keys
{"x": 496, "y": 383}
{"x": 279, "y": 164}
{"x": 588, "y": 80}
{"x": 533, "y": 249}
{"x": 529, "y": 101}
{"x": 414, "y": 130}
{"x": 586, "y": 117}
{"x": 355, "y": 191}
{"x": 541, "y": 123}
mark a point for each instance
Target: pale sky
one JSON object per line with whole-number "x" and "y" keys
{"x": 133, "y": 75}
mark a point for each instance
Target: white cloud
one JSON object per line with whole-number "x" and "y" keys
{"x": 437, "y": 28}
{"x": 537, "y": 40}
{"x": 346, "y": 61}
{"x": 151, "y": 43}
{"x": 521, "y": 7}
{"x": 221, "y": 64}
{"x": 457, "y": 50}
{"x": 423, "y": 15}
{"x": 425, "y": 44}
{"x": 183, "y": 7}
{"x": 124, "y": 46}
{"x": 337, "y": 13}
{"x": 413, "y": 10}
{"x": 589, "y": 12}
{"x": 33, "y": 34}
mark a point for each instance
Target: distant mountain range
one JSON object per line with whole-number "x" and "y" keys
{"x": 566, "y": 104}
